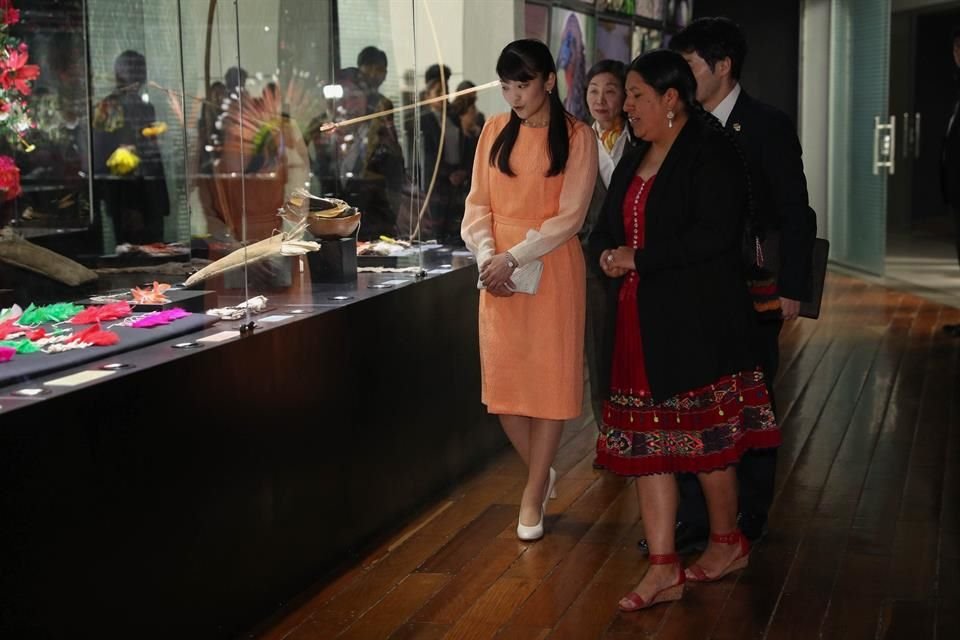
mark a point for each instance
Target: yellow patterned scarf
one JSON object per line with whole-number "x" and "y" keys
{"x": 610, "y": 136}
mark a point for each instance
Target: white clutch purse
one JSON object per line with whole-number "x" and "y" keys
{"x": 525, "y": 279}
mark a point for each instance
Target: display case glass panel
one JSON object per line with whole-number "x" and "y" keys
{"x": 205, "y": 154}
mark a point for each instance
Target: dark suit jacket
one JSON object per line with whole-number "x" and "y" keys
{"x": 696, "y": 316}
{"x": 773, "y": 150}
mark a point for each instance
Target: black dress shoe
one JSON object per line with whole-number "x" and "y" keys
{"x": 688, "y": 538}
{"x": 753, "y": 525}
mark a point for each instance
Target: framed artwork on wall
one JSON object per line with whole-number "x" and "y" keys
{"x": 617, "y": 6}
{"x": 645, "y": 39}
{"x": 679, "y": 12}
{"x": 614, "y": 41}
{"x": 652, "y": 9}
{"x": 572, "y": 43}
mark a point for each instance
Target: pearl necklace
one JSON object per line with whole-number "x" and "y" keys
{"x": 636, "y": 215}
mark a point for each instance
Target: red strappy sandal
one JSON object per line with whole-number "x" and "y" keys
{"x": 633, "y": 601}
{"x": 695, "y": 572}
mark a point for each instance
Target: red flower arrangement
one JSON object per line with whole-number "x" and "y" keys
{"x": 9, "y": 178}
{"x": 15, "y": 78}
{"x": 8, "y": 14}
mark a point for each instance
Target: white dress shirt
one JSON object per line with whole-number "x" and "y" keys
{"x": 725, "y": 108}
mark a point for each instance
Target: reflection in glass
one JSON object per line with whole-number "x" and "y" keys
{"x": 131, "y": 191}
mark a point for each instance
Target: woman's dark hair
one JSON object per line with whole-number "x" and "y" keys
{"x": 663, "y": 69}
{"x": 614, "y": 67}
{"x": 522, "y": 61}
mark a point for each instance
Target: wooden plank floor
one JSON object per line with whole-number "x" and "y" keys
{"x": 864, "y": 535}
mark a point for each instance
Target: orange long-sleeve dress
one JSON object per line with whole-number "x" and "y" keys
{"x": 531, "y": 346}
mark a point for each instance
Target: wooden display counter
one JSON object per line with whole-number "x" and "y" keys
{"x": 193, "y": 495}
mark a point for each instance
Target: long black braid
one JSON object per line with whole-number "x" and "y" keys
{"x": 753, "y": 231}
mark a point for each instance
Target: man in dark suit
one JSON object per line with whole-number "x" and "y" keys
{"x": 715, "y": 48}
{"x": 950, "y": 158}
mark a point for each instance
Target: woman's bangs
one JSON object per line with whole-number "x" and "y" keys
{"x": 512, "y": 67}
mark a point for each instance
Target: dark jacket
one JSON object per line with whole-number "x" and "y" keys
{"x": 696, "y": 317}
{"x": 773, "y": 151}
{"x": 430, "y": 130}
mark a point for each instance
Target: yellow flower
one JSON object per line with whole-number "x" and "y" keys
{"x": 154, "y": 129}
{"x": 123, "y": 161}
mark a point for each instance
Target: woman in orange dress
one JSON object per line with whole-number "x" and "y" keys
{"x": 533, "y": 176}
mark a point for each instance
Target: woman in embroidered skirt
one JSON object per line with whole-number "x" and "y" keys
{"x": 532, "y": 180}
{"x": 686, "y": 394}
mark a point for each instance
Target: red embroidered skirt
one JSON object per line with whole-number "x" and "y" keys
{"x": 700, "y": 430}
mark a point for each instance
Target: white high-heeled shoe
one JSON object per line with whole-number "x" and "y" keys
{"x": 551, "y": 493}
{"x": 536, "y": 531}
{"x": 530, "y": 533}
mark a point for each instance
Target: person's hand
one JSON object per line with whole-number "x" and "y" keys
{"x": 606, "y": 265}
{"x": 496, "y": 272}
{"x": 789, "y": 309}
{"x": 617, "y": 262}
{"x": 503, "y": 291}
{"x": 458, "y": 177}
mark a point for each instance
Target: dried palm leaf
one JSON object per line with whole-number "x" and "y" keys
{"x": 26, "y": 255}
{"x": 284, "y": 243}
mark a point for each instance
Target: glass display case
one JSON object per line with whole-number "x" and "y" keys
{"x": 263, "y": 158}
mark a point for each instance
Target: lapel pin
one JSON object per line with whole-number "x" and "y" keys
{"x": 736, "y": 127}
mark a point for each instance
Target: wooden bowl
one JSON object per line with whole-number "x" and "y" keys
{"x": 333, "y": 227}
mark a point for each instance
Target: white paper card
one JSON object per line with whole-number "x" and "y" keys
{"x": 220, "y": 337}
{"x": 75, "y": 379}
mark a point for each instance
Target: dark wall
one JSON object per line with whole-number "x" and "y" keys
{"x": 935, "y": 93}
{"x": 772, "y": 27}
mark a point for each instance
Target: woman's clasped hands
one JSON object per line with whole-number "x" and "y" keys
{"x": 495, "y": 275}
{"x": 616, "y": 263}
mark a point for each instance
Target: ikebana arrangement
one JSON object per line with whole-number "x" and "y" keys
{"x": 16, "y": 77}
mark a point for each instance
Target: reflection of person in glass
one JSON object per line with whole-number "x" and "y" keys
{"x": 130, "y": 182}
{"x": 361, "y": 163}
{"x": 471, "y": 123}
{"x": 450, "y": 186}
{"x": 372, "y": 63}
